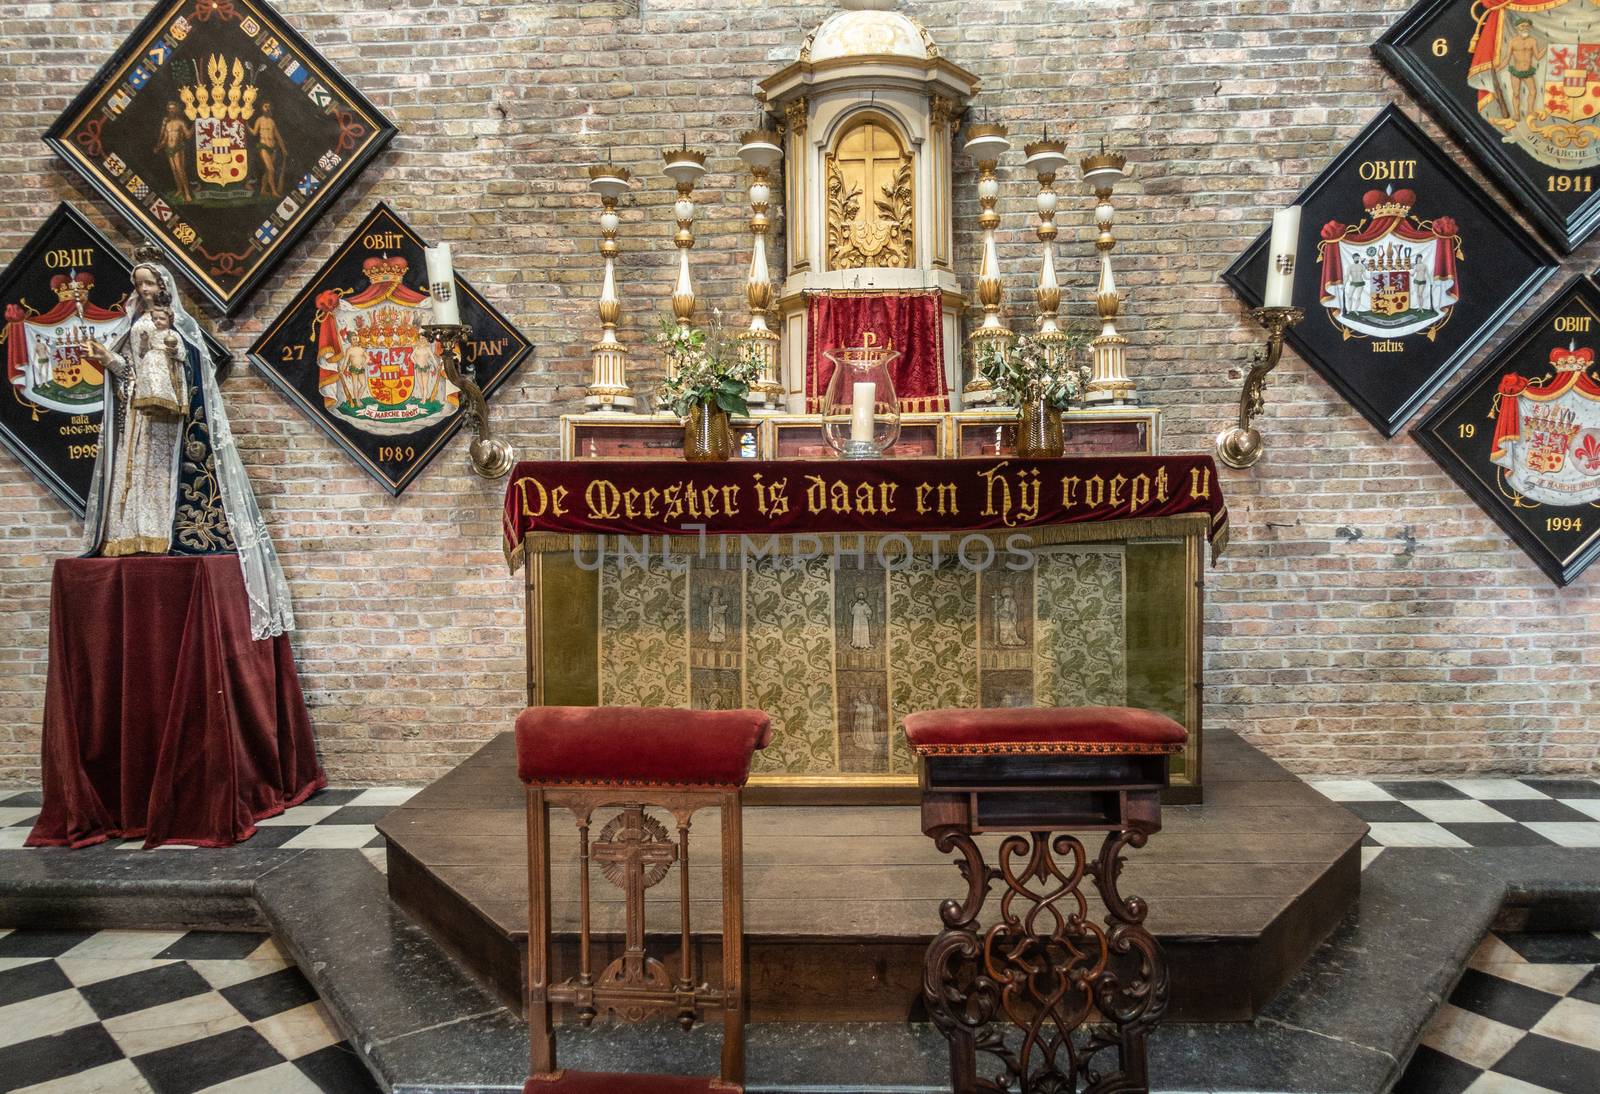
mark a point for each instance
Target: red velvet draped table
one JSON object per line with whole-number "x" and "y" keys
{"x": 163, "y": 718}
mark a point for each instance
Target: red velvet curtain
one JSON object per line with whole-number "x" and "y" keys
{"x": 911, "y": 323}
{"x": 163, "y": 718}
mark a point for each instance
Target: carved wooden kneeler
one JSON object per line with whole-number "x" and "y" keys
{"x": 585, "y": 760}
{"x": 1044, "y": 1000}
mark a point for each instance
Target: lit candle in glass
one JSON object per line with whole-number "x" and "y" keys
{"x": 442, "y": 286}
{"x": 1281, "y": 258}
{"x": 863, "y": 397}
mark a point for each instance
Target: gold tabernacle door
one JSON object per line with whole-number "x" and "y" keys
{"x": 838, "y": 637}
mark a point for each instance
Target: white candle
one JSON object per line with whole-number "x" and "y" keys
{"x": 862, "y": 400}
{"x": 442, "y": 286}
{"x": 1281, "y": 258}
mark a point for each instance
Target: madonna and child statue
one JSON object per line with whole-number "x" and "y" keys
{"x": 167, "y": 479}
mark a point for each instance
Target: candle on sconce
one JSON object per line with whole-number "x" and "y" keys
{"x": 1281, "y": 258}
{"x": 442, "y": 286}
{"x": 863, "y": 399}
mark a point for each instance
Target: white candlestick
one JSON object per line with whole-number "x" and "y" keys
{"x": 1281, "y": 258}
{"x": 863, "y": 398}
{"x": 442, "y": 286}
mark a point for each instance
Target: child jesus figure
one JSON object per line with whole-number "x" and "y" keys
{"x": 158, "y": 378}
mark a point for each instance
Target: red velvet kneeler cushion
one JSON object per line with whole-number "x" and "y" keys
{"x": 595, "y": 1082}
{"x": 1057, "y": 730}
{"x": 639, "y": 745}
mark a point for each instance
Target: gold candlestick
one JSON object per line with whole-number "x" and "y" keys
{"x": 684, "y": 166}
{"x": 1108, "y": 379}
{"x": 491, "y": 457}
{"x": 986, "y": 143}
{"x": 1047, "y": 157}
{"x": 1241, "y": 445}
{"x": 760, "y": 151}
{"x": 608, "y": 389}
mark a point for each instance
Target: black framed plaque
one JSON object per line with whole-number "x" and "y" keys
{"x": 222, "y": 135}
{"x": 65, "y": 287}
{"x": 1522, "y": 434}
{"x": 348, "y": 351}
{"x": 1405, "y": 268}
{"x": 1518, "y": 84}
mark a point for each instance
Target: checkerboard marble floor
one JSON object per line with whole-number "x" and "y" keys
{"x": 1472, "y": 813}
{"x": 1525, "y": 1019}
{"x": 1417, "y": 813}
{"x": 164, "y": 1012}
{"x": 329, "y": 819}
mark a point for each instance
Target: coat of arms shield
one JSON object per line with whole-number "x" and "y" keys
{"x": 351, "y": 352}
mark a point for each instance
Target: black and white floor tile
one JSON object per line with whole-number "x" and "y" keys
{"x": 1418, "y": 813}
{"x": 1472, "y": 813}
{"x": 164, "y": 1012}
{"x": 329, "y": 819}
{"x": 149, "y": 1011}
{"x": 1525, "y": 1019}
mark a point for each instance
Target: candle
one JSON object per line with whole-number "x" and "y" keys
{"x": 442, "y": 286}
{"x": 1281, "y": 256}
{"x": 862, "y": 400}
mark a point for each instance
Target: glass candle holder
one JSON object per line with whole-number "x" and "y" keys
{"x": 860, "y": 410}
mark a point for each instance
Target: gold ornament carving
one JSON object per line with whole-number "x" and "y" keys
{"x": 869, "y": 161}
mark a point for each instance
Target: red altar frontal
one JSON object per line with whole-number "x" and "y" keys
{"x": 163, "y": 718}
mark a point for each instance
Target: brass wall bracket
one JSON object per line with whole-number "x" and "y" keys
{"x": 1241, "y": 445}
{"x": 491, "y": 457}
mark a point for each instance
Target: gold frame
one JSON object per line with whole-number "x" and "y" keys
{"x": 768, "y": 426}
{"x": 1187, "y": 786}
{"x": 986, "y": 417}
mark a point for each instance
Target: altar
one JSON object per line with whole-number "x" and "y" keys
{"x": 876, "y": 590}
{"x": 940, "y": 566}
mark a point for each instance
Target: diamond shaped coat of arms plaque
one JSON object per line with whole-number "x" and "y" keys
{"x": 221, "y": 135}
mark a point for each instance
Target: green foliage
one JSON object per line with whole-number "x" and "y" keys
{"x": 1029, "y": 368}
{"x": 707, "y": 367}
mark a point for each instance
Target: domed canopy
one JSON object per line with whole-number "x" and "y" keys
{"x": 868, "y": 28}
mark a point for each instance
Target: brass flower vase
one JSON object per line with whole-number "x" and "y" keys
{"x": 1039, "y": 435}
{"x": 707, "y": 436}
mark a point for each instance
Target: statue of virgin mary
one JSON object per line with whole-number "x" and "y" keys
{"x": 167, "y": 478}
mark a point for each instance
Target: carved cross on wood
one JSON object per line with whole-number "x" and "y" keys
{"x": 634, "y": 852}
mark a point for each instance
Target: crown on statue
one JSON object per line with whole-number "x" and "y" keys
{"x": 223, "y": 97}
{"x": 386, "y": 329}
{"x": 386, "y": 268}
{"x": 1570, "y": 358}
{"x": 1391, "y": 203}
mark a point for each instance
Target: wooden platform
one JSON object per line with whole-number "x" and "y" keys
{"x": 840, "y": 901}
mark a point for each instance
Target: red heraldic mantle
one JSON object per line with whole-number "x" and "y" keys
{"x": 162, "y": 717}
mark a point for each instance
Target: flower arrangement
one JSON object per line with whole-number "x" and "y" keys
{"x": 1031, "y": 368}
{"x": 708, "y": 368}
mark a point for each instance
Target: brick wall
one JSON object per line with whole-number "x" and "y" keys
{"x": 1368, "y": 618}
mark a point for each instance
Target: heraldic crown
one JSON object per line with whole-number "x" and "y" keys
{"x": 75, "y": 287}
{"x": 385, "y": 269}
{"x": 1571, "y": 359}
{"x": 1394, "y": 203}
{"x": 234, "y": 101}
